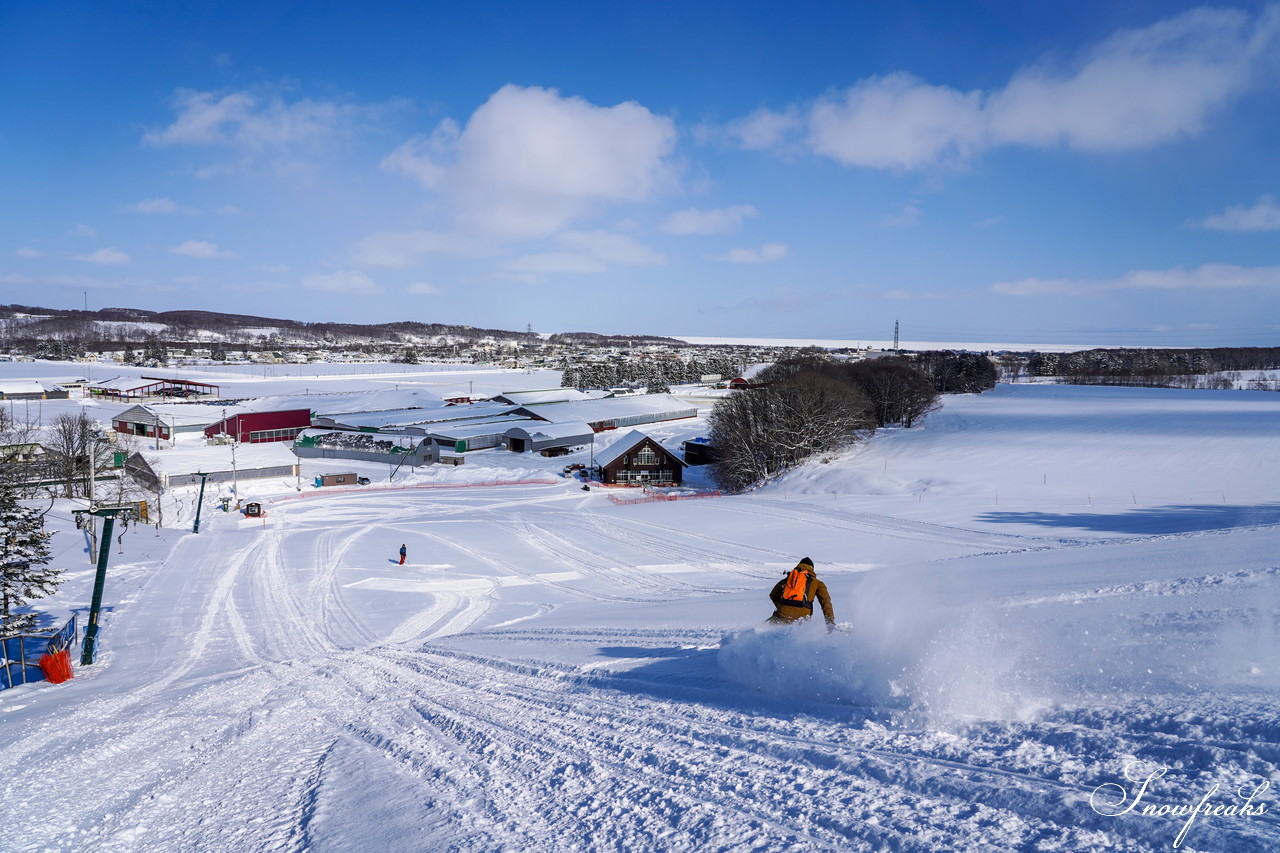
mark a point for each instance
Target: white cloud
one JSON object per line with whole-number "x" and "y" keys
{"x": 83, "y": 231}
{"x": 1263, "y": 216}
{"x": 1204, "y": 277}
{"x": 587, "y": 252}
{"x": 764, "y": 129}
{"x": 1136, "y": 89}
{"x": 346, "y": 281}
{"x": 905, "y": 216}
{"x": 767, "y": 252}
{"x": 108, "y": 256}
{"x": 230, "y": 210}
{"x": 160, "y": 205}
{"x": 529, "y": 162}
{"x": 420, "y": 158}
{"x": 422, "y": 288}
{"x": 542, "y": 263}
{"x": 400, "y": 249}
{"x": 79, "y": 282}
{"x": 201, "y": 249}
{"x": 274, "y": 269}
{"x": 28, "y": 252}
{"x": 611, "y": 248}
{"x": 725, "y": 220}
{"x": 896, "y": 121}
{"x": 254, "y": 121}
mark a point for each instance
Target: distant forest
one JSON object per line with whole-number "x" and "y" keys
{"x": 1151, "y": 367}
{"x": 41, "y": 330}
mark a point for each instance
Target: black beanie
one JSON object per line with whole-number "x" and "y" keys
{"x": 805, "y": 561}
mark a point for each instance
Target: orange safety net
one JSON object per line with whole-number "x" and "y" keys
{"x": 57, "y": 666}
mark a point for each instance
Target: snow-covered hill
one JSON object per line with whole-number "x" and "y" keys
{"x": 1052, "y": 595}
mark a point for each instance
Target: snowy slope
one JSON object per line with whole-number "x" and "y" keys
{"x": 551, "y": 671}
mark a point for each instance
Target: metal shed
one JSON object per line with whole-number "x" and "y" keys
{"x": 537, "y": 437}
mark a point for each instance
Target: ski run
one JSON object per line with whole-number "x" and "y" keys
{"x": 1060, "y": 610}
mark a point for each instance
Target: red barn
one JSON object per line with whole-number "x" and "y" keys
{"x": 257, "y": 427}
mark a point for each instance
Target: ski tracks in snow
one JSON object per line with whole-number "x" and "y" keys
{"x": 273, "y": 702}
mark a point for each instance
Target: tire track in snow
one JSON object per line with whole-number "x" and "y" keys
{"x": 630, "y": 748}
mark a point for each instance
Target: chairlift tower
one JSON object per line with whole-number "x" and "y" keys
{"x": 895, "y": 335}
{"x": 108, "y": 515}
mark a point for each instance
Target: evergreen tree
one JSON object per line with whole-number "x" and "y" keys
{"x": 655, "y": 382}
{"x": 24, "y": 551}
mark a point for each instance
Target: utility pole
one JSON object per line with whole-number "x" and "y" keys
{"x": 93, "y": 522}
{"x": 199, "y": 502}
{"x": 99, "y": 581}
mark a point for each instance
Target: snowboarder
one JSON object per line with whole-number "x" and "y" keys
{"x": 404, "y": 552}
{"x": 793, "y": 596}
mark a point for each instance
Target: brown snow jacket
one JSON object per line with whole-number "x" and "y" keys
{"x": 785, "y": 612}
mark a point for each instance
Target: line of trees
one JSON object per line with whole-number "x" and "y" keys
{"x": 1158, "y": 368}
{"x": 656, "y": 375}
{"x": 957, "y": 372}
{"x": 812, "y": 403}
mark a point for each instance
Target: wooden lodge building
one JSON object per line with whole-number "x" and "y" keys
{"x": 636, "y": 459}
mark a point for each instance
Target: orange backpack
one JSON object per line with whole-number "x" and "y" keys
{"x": 796, "y": 590}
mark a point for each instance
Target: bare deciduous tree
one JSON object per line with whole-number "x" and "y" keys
{"x": 898, "y": 393}
{"x": 19, "y": 456}
{"x": 72, "y": 440}
{"x": 762, "y": 433}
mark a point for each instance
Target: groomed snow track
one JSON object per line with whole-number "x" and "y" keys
{"x": 280, "y": 709}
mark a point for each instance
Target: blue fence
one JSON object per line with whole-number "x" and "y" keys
{"x": 20, "y": 655}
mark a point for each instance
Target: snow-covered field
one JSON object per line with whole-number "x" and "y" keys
{"x": 1054, "y": 596}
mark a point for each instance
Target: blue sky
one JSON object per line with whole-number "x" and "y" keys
{"x": 1086, "y": 172}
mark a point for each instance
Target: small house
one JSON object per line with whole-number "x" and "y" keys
{"x": 335, "y": 480}
{"x": 636, "y": 459}
{"x": 699, "y": 451}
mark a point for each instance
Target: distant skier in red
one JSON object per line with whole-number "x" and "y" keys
{"x": 404, "y": 552}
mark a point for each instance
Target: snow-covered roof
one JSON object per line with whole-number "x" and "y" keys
{"x": 624, "y": 443}
{"x": 199, "y": 457}
{"x": 612, "y": 408}
{"x": 120, "y": 383}
{"x": 543, "y": 397}
{"x": 171, "y": 416}
{"x": 470, "y": 429}
{"x": 414, "y": 417}
{"x": 544, "y": 430}
{"x": 23, "y": 386}
{"x": 378, "y": 399}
